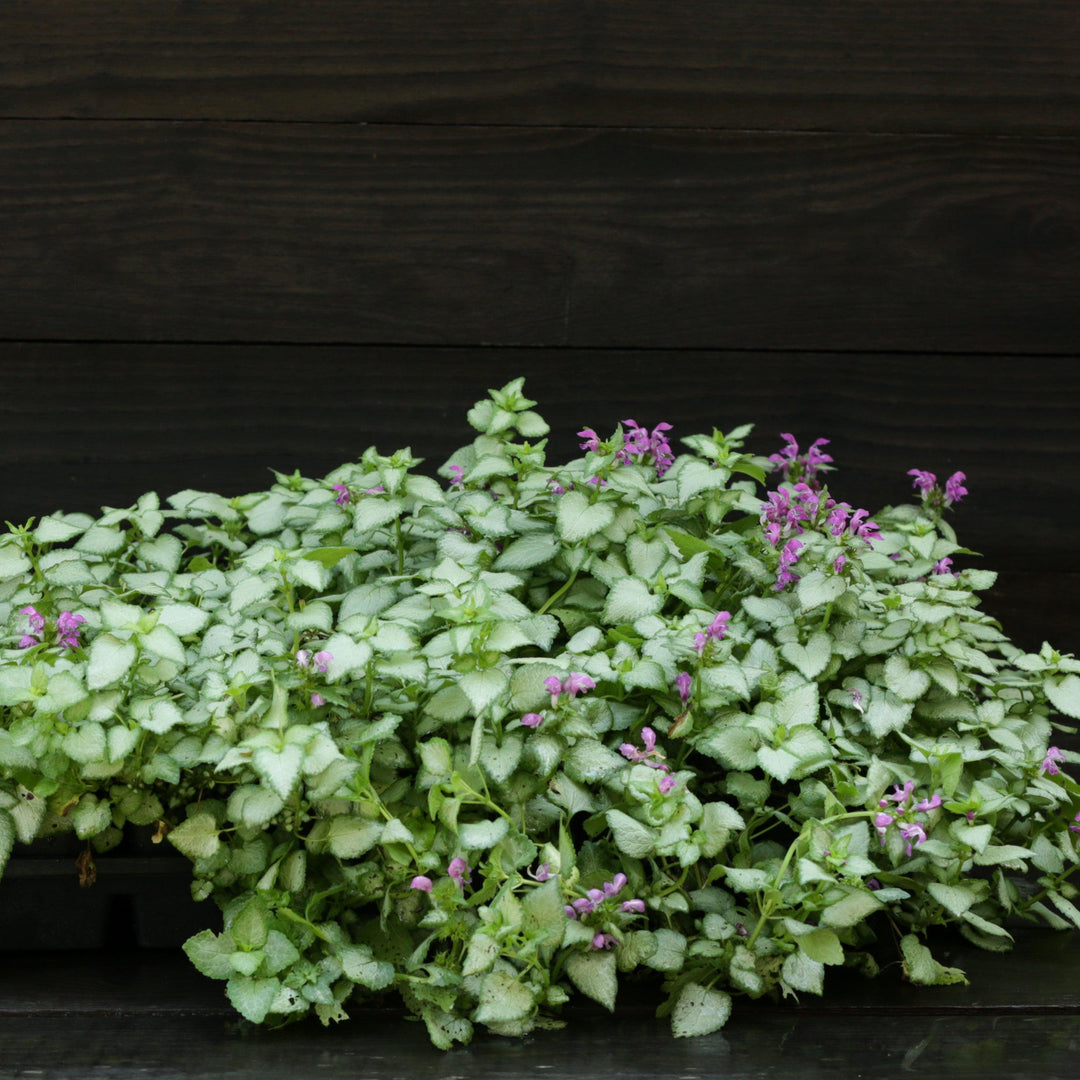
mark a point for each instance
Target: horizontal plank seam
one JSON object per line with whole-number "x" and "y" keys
{"x": 482, "y": 126}
{"x": 253, "y": 343}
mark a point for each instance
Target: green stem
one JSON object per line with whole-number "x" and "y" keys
{"x": 560, "y": 591}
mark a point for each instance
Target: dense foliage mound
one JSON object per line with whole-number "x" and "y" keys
{"x": 485, "y": 741}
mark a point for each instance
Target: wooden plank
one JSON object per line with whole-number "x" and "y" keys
{"x": 113, "y": 1018}
{"x": 1007, "y": 66}
{"x": 93, "y": 425}
{"x": 330, "y": 233}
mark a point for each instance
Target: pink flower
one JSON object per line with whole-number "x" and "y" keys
{"x": 839, "y": 563}
{"x": 420, "y": 882}
{"x": 592, "y": 440}
{"x": 924, "y": 481}
{"x": 882, "y": 823}
{"x": 913, "y": 834}
{"x": 954, "y": 488}
{"x": 901, "y": 795}
{"x": 603, "y": 941}
{"x": 533, "y": 720}
{"x": 1076, "y": 828}
{"x": 683, "y": 681}
{"x": 633, "y": 907}
{"x": 576, "y": 683}
{"x": 460, "y": 871}
{"x": 37, "y": 627}
{"x": 615, "y": 885}
{"x": 582, "y": 905}
{"x": 317, "y": 700}
{"x": 632, "y": 753}
{"x": 68, "y": 625}
{"x": 542, "y": 872}
{"x": 1049, "y": 765}
{"x": 344, "y": 494}
{"x": 856, "y": 700}
{"x": 929, "y": 804}
{"x": 303, "y": 658}
{"x": 665, "y": 784}
{"x": 457, "y": 474}
{"x": 716, "y": 630}
{"x": 553, "y": 684}
{"x": 943, "y": 566}
{"x": 322, "y": 660}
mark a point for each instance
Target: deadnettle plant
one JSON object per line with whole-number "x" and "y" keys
{"x": 533, "y": 728}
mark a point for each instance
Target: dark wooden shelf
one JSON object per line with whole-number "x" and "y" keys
{"x": 149, "y": 1013}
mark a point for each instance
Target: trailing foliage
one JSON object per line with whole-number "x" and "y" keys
{"x": 488, "y": 741}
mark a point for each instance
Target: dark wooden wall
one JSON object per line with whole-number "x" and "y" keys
{"x": 250, "y": 233}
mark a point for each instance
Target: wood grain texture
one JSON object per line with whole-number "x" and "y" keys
{"x": 315, "y": 233}
{"x": 92, "y": 425}
{"x": 1007, "y": 66}
{"x": 117, "y": 1016}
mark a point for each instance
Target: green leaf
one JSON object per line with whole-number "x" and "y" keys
{"x": 1064, "y": 694}
{"x": 249, "y": 928}
{"x": 822, "y": 945}
{"x": 328, "y": 556}
{"x": 815, "y": 589}
{"x": 91, "y": 816}
{"x": 1066, "y": 907}
{"x": 109, "y": 661}
{"x": 197, "y": 837}
{"x": 252, "y": 998}
{"x": 629, "y": 600}
{"x": 482, "y": 688}
{"x": 594, "y": 974}
{"x": 802, "y": 973}
{"x": 886, "y": 713}
{"x": 577, "y": 519}
{"x": 359, "y": 964}
{"x": 699, "y": 1011}
{"x": 906, "y": 682}
{"x": 852, "y": 909}
{"x": 921, "y": 968}
{"x": 86, "y": 743}
{"x": 631, "y": 837}
{"x": 503, "y": 998}
{"x": 163, "y": 552}
{"x": 481, "y": 835}
{"x": 278, "y": 953}
{"x": 210, "y": 953}
{"x": 528, "y": 551}
{"x": 481, "y": 954}
{"x": 953, "y": 898}
{"x": 279, "y": 769}
{"x": 350, "y": 837}
{"x": 253, "y": 805}
{"x": 249, "y": 594}
{"x": 810, "y": 659}
{"x": 183, "y": 619}
{"x": 373, "y": 512}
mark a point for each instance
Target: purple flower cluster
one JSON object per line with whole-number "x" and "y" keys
{"x": 789, "y": 513}
{"x": 458, "y": 870}
{"x": 638, "y": 443}
{"x": 716, "y": 631}
{"x": 934, "y": 496}
{"x": 320, "y": 663}
{"x": 648, "y": 756}
{"x": 804, "y": 467}
{"x": 1049, "y": 765}
{"x": 595, "y": 898}
{"x": 67, "y": 628}
{"x": 913, "y": 832}
{"x": 575, "y": 683}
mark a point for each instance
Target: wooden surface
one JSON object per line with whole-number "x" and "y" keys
{"x": 882, "y": 65}
{"x": 242, "y": 234}
{"x": 151, "y": 1014}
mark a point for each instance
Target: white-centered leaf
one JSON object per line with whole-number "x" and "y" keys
{"x": 578, "y": 519}
{"x": 699, "y": 1011}
{"x": 109, "y": 661}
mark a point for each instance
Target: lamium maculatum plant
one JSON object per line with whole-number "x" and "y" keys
{"x": 535, "y": 727}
